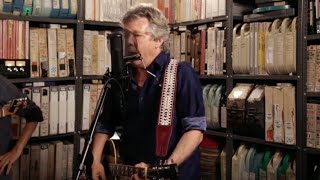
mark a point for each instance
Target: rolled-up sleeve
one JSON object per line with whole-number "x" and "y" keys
{"x": 105, "y": 122}
{"x": 189, "y": 102}
{"x": 112, "y": 114}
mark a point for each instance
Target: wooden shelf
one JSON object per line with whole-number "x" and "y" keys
{"x": 39, "y": 19}
{"x": 51, "y": 138}
{"x": 46, "y": 79}
{"x": 204, "y": 77}
{"x": 263, "y": 142}
{"x": 102, "y": 23}
{"x": 312, "y": 151}
{"x": 313, "y": 94}
{"x": 313, "y": 37}
{"x": 267, "y": 77}
{"x": 200, "y": 22}
{"x": 216, "y": 133}
{"x": 269, "y": 15}
{"x": 92, "y": 77}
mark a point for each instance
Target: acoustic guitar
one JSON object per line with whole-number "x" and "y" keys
{"x": 114, "y": 169}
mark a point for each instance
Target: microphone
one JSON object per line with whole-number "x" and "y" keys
{"x": 118, "y": 61}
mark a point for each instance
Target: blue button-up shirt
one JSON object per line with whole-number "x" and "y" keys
{"x": 138, "y": 139}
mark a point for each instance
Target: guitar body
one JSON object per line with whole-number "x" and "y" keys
{"x": 115, "y": 169}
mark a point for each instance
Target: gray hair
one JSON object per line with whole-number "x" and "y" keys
{"x": 158, "y": 26}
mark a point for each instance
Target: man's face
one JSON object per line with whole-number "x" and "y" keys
{"x": 139, "y": 40}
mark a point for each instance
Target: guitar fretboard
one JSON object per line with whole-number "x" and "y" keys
{"x": 125, "y": 170}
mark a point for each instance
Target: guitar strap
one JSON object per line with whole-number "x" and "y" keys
{"x": 166, "y": 109}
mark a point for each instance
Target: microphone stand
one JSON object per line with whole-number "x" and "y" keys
{"x": 99, "y": 109}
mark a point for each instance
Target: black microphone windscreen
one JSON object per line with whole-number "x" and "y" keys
{"x": 116, "y": 48}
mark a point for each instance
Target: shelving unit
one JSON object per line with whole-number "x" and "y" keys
{"x": 299, "y": 79}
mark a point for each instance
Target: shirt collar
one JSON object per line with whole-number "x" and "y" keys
{"x": 160, "y": 62}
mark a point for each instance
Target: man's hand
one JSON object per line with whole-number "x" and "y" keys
{"x": 139, "y": 165}
{"x": 7, "y": 160}
{"x": 98, "y": 171}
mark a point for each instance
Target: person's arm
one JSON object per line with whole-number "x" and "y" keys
{"x": 189, "y": 141}
{"x": 97, "y": 168}
{"x": 190, "y": 113}
{"x": 98, "y": 144}
{"x": 10, "y": 157}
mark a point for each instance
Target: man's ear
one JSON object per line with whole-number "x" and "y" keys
{"x": 159, "y": 42}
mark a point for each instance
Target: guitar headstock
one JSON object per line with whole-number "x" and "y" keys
{"x": 163, "y": 172}
{"x": 12, "y": 106}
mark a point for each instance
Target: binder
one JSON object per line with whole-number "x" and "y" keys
{"x": 71, "y": 60}
{"x": 43, "y": 52}
{"x": 278, "y": 123}
{"x": 216, "y": 107}
{"x": 289, "y": 114}
{"x": 25, "y": 163}
{"x": 64, "y": 8}
{"x": 51, "y": 161}
{"x": 273, "y": 165}
{"x": 86, "y": 107}
{"x": 36, "y": 97}
{"x": 87, "y": 52}
{"x": 89, "y": 14}
{"x": 283, "y": 167}
{"x": 264, "y": 164}
{"x": 275, "y": 56}
{"x": 236, "y": 49}
{"x": 237, "y": 166}
{"x": 211, "y": 50}
{"x": 282, "y": 50}
{"x": 311, "y": 124}
{"x": 36, "y": 8}
{"x": 46, "y": 7}
{"x": 52, "y": 52}
{"x": 318, "y": 127}
{"x": 17, "y": 7}
{"x": 73, "y": 8}
{"x": 64, "y": 164}
{"x": 253, "y": 49}
{"x": 71, "y": 105}
{"x": 223, "y": 164}
{"x": 45, "y": 99}
{"x": 254, "y": 166}
{"x": 270, "y": 49}
{"x": 236, "y": 105}
{"x": 34, "y": 161}
{"x": 70, "y": 160}
{"x": 206, "y": 102}
{"x": 244, "y": 63}
{"x": 1, "y": 6}
{"x": 7, "y": 6}
{"x": 101, "y": 65}
{"x": 211, "y": 99}
{"x": 291, "y": 171}
{"x": 269, "y": 117}
{"x": 62, "y": 53}
{"x": 62, "y": 129}
{"x": 34, "y": 52}
{"x": 291, "y": 47}
{"x": 255, "y": 112}
{"x": 27, "y": 8}
{"x": 55, "y": 9}
{"x": 250, "y": 156}
{"x": 54, "y": 110}
{"x": 58, "y": 173}
{"x": 44, "y": 149}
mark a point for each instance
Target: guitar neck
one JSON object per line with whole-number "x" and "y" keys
{"x": 125, "y": 170}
